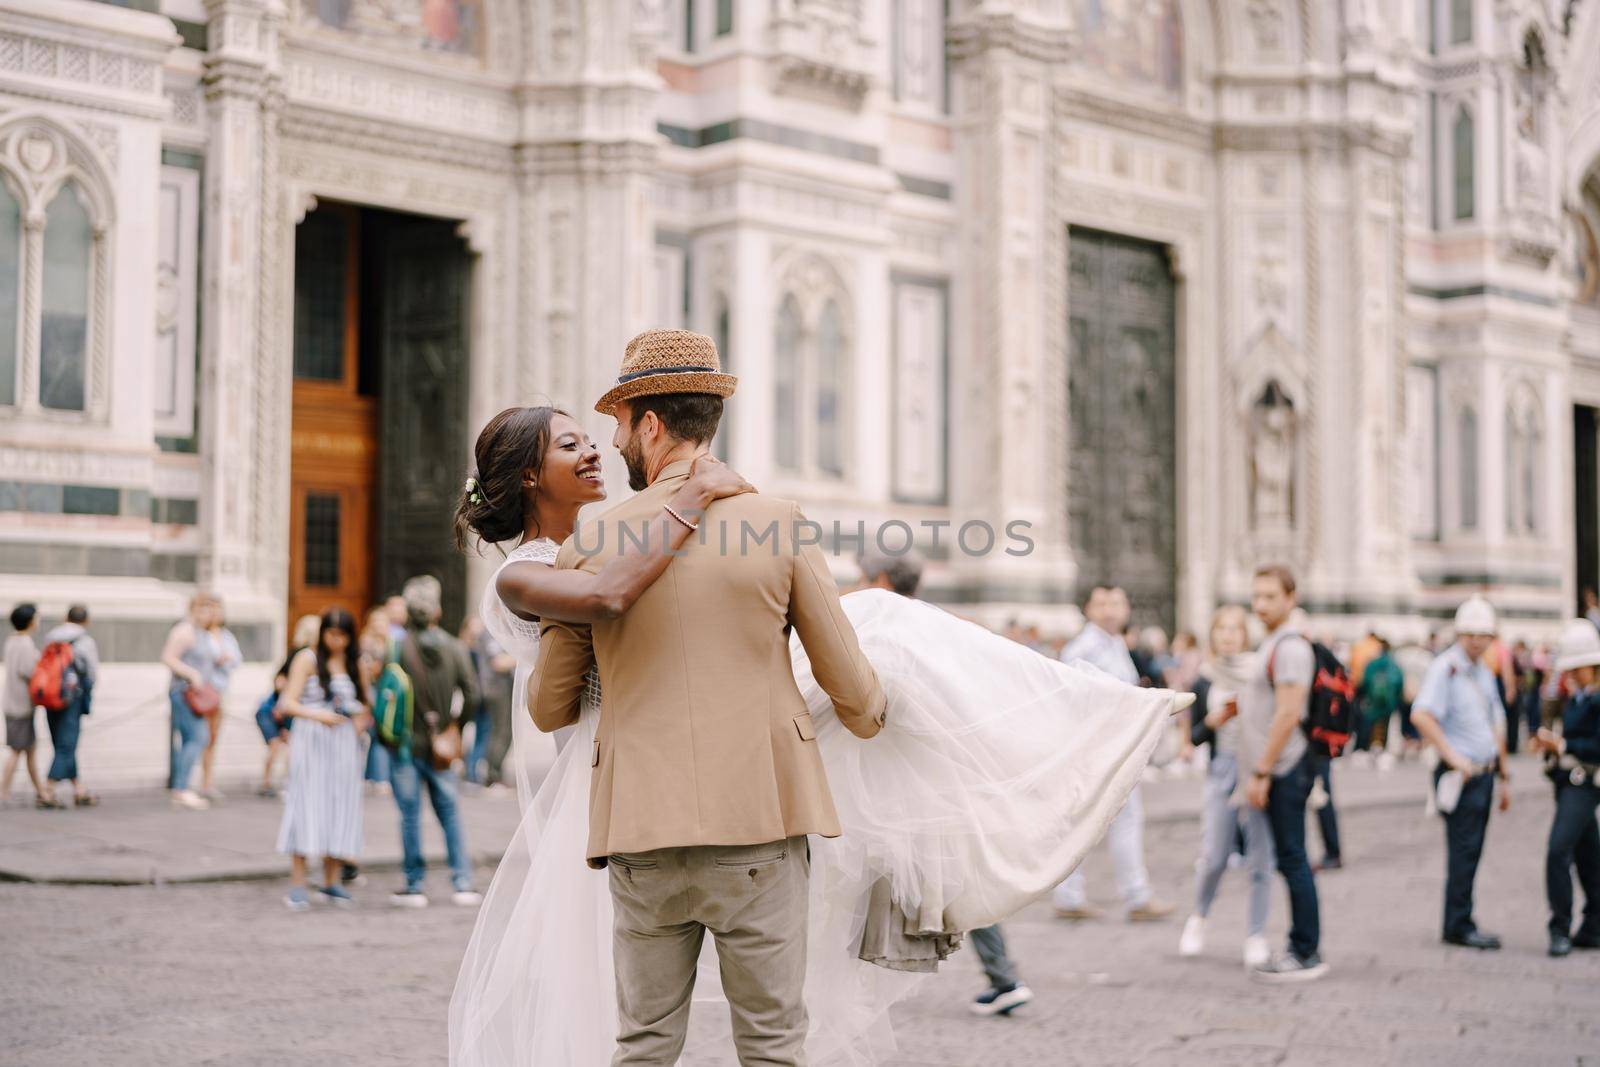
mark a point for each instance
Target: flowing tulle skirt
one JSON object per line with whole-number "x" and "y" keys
{"x": 997, "y": 771}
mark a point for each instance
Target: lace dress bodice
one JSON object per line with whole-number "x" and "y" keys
{"x": 517, "y": 635}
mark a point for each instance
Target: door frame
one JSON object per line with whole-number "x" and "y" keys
{"x": 1188, "y": 232}
{"x": 486, "y": 215}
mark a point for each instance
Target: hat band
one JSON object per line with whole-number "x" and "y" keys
{"x": 624, "y": 379}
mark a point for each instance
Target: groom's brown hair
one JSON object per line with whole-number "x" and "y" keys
{"x": 686, "y": 416}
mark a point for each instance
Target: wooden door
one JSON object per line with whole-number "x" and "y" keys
{"x": 334, "y": 432}
{"x": 424, "y": 294}
{"x": 1122, "y": 495}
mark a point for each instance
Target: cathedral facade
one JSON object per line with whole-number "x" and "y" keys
{"x": 1152, "y": 291}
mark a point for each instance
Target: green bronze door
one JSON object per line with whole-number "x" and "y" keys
{"x": 1122, "y": 495}
{"x": 425, "y": 274}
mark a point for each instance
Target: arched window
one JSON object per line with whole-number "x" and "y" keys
{"x": 830, "y": 391}
{"x": 56, "y": 216}
{"x": 1532, "y": 442}
{"x": 1463, "y": 161}
{"x": 64, "y": 321}
{"x": 786, "y": 374}
{"x": 10, "y": 292}
{"x": 811, "y": 433}
{"x": 721, "y": 333}
{"x": 1467, "y": 446}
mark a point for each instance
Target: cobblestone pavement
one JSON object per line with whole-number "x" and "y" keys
{"x": 223, "y": 974}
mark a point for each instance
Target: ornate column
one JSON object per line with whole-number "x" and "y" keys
{"x": 1001, "y": 57}
{"x": 241, "y": 87}
{"x": 1361, "y": 543}
{"x": 584, "y": 168}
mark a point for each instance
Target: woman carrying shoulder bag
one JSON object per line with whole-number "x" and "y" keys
{"x": 190, "y": 655}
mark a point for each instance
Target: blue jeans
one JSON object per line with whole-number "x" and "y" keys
{"x": 1286, "y": 810}
{"x": 990, "y": 944}
{"x": 379, "y": 758}
{"x": 408, "y": 775}
{"x": 194, "y": 734}
{"x": 1328, "y": 817}
{"x": 1220, "y": 826}
{"x": 64, "y": 726}
{"x": 481, "y": 731}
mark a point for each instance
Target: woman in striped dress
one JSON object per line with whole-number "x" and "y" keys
{"x": 322, "y": 812}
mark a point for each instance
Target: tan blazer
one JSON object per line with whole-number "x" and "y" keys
{"x": 704, "y": 738}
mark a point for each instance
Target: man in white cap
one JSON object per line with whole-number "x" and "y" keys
{"x": 1458, "y": 711}
{"x": 1574, "y": 761}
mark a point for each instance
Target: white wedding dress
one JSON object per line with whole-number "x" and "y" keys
{"x": 997, "y": 770}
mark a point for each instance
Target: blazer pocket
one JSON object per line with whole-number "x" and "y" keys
{"x": 595, "y": 762}
{"x": 806, "y": 728}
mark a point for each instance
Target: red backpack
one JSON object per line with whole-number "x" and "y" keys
{"x": 56, "y": 682}
{"x": 1329, "y": 721}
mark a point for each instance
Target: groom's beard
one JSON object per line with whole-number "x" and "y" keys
{"x": 633, "y": 457}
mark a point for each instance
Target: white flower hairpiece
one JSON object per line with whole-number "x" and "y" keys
{"x": 473, "y": 491}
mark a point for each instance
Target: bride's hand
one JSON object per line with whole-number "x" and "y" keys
{"x": 717, "y": 479}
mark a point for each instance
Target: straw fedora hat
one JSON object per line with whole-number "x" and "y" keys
{"x": 668, "y": 361}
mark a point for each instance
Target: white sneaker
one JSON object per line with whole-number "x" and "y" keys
{"x": 466, "y": 898}
{"x": 1386, "y": 761}
{"x": 1193, "y": 941}
{"x": 1256, "y": 951}
{"x": 188, "y": 798}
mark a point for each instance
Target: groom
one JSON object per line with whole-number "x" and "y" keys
{"x": 706, "y": 777}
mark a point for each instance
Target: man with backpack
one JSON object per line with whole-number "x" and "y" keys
{"x": 437, "y": 668}
{"x": 1458, "y": 711}
{"x": 1277, "y": 752}
{"x": 70, "y": 645}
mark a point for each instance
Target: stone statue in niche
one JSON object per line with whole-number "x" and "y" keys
{"x": 1272, "y": 450}
{"x": 1585, "y": 261}
{"x": 1532, "y": 159}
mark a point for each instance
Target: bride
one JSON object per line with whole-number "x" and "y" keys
{"x": 997, "y": 771}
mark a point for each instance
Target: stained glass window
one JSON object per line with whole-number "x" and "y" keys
{"x": 64, "y": 321}
{"x": 10, "y": 264}
{"x": 786, "y": 374}
{"x": 1531, "y": 443}
{"x": 722, "y": 334}
{"x": 1460, "y": 21}
{"x": 830, "y": 390}
{"x": 1464, "y": 140}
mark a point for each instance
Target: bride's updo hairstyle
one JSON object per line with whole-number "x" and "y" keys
{"x": 512, "y": 444}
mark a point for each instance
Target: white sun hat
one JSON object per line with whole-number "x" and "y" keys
{"x": 1475, "y": 616}
{"x": 1579, "y": 646}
